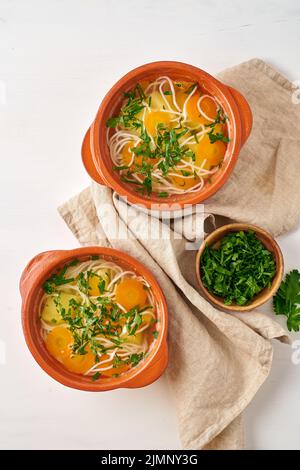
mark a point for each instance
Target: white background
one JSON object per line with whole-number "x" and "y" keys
{"x": 57, "y": 60}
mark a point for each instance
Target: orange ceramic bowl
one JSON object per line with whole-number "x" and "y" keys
{"x": 32, "y": 279}
{"x": 95, "y": 151}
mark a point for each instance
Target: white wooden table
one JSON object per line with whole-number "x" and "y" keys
{"x": 58, "y": 58}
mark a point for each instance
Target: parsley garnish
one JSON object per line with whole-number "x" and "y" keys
{"x": 220, "y": 118}
{"x": 96, "y": 376}
{"x": 113, "y": 122}
{"x": 135, "y": 104}
{"x": 218, "y": 136}
{"x": 57, "y": 280}
{"x": 287, "y": 300}
{"x": 121, "y": 167}
{"x": 135, "y": 359}
{"x": 101, "y": 286}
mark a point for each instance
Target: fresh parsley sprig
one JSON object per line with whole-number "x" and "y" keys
{"x": 287, "y": 300}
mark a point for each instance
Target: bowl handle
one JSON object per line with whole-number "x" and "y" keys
{"x": 87, "y": 158}
{"x": 245, "y": 113}
{"x": 31, "y": 268}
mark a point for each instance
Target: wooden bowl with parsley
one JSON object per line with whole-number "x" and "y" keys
{"x": 239, "y": 267}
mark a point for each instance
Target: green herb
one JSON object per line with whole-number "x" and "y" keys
{"x": 191, "y": 88}
{"x": 162, "y": 194}
{"x": 135, "y": 359}
{"x": 220, "y": 118}
{"x": 287, "y": 300}
{"x": 128, "y": 114}
{"x": 140, "y": 91}
{"x": 238, "y": 269}
{"x": 96, "y": 376}
{"x": 169, "y": 149}
{"x": 82, "y": 282}
{"x": 74, "y": 262}
{"x": 134, "y": 320}
{"x": 128, "y": 180}
{"x": 218, "y": 136}
{"x": 121, "y": 167}
{"x": 113, "y": 122}
{"x": 190, "y": 154}
{"x": 57, "y": 280}
{"x": 117, "y": 361}
{"x": 155, "y": 334}
{"x": 168, "y": 92}
{"x": 95, "y": 257}
{"x": 101, "y": 286}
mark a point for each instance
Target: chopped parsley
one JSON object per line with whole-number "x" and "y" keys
{"x": 96, "y": 376}
{"x": 136, "y": 358}
{"x": 57, "y": 280}
{"x": 220, "y": 118}
{"x": 133, "y": 106}
{"x": 238, "y": 269}
{"x": 217, "y": 136}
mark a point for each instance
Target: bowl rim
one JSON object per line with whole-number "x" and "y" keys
{"x": 99, "y": 126}
{"x": 235, "y": 227}
{"x": 75, "y": 380}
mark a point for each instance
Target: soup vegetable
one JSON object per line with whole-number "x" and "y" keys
{"x": 238, "y": 269}
{"x": 98, "y": 319}
{"x": 170, "y": 137}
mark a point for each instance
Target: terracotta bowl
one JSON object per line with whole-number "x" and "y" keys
{"x": 95, "y": 151}
{"x": 32, "y": 279}
{"x": 271, "y": 245}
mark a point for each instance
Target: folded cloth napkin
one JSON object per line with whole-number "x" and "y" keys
{"x": 217, "y": 361}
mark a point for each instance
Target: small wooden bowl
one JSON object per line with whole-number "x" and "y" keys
{"x": 271, "y": 245}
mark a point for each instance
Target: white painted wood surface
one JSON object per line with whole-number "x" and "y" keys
{"x": 58, "y": 59}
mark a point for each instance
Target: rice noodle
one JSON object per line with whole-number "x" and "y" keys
{"x": 201, "y": 110}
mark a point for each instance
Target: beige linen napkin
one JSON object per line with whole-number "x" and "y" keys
{"x": 217, "y": 361}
